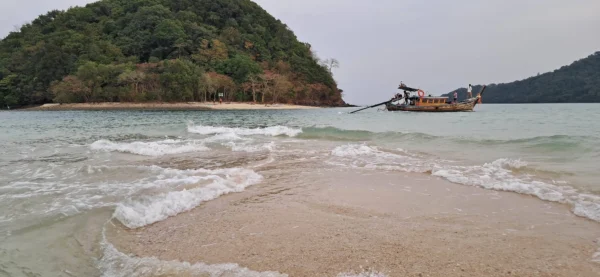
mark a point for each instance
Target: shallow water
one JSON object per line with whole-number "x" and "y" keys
{"x": 63, "y": 175}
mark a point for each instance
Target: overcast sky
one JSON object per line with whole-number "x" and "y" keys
{"x": 434, "y": 45}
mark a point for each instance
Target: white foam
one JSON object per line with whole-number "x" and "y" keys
{"x": 363, "y": 274}
{"x": 91, "y": 188}
{"x": 148, "y": 210}
{"x": 353, "y": 150}
{"x": 510, "y": 163}
{"x": 596, "y": 256}
{"x": 273, "y": 131}
{"x": 364, "y": 156}
{"x": 225, "y": 137}
{"x": 496, "y": 175}
{"x": 114, "y": 263}
{"x": 153, "y": 148}
{"x": 270, "y": 147}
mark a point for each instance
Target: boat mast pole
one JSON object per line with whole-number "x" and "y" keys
{"x": 383, "y": 103}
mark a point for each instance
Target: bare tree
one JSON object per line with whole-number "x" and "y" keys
{"x": 330, "y": 64}
{"x": 254, "y": 82}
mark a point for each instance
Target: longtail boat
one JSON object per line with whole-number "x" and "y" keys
{"x": 422, "y": 103}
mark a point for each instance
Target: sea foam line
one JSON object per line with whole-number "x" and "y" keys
{"x": 152, "y": 148}
{"x": 149, "y": 210}
{"x": 496, "y": 175}
{"x": 273, "y": 131}
{"x": 114, "y": 263}
{"x": 270, "y": 147}
{"x": 362, "y": 274}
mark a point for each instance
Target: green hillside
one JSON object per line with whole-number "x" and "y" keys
{"x": 575, "y": 83}
{"x": 161, "y": 50}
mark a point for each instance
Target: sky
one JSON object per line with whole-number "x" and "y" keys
{"x": 435, "y": 45}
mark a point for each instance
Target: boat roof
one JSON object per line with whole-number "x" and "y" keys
{"x": 405, "y": 88}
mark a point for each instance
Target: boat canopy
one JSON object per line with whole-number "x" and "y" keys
{"x": 405, "y": 88}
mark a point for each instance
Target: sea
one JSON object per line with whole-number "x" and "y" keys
{"x": 66, "y": 175}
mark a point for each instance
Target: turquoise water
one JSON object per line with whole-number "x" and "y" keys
{"x": 62, "y": 172}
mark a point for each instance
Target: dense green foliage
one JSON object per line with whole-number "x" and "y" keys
{"x": 575, "y": 83}
{"x": 161, "y": 50}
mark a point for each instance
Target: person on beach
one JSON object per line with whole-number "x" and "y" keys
{"x": 470, "y": 91}
{"x": 455, "y": 96}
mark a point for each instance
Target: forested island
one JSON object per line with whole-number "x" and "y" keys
{"x": 162, "y": 51}
{"x": 575, "y": 83}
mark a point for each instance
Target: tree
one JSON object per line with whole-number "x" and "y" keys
{"x": 267, "y": 84}
{"x": 211, "y": 52}
{"x": 253, "y": 85}
{"x": 132, "y": 78}
{"x": 330, "y": 64}
{"x": 209, "y": 86}
{"x": 168, "y": 32}
{"x": 179, "y": 80}
{"x": 7, "y": 97}
{"x": 90, "y": 77}
{"x": 240, "y": 67}
{"x": 70, "y": 90}
{"x": 281, "y": 85}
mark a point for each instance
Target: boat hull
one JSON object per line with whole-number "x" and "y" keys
{"x": 467, "y": 106}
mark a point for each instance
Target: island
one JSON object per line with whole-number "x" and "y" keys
{"x": 154, "y": 52}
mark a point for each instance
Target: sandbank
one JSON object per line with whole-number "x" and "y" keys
{"x": 319, "y": 222}
{"x": 168, "y": 106}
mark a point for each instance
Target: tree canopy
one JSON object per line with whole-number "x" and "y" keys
{"x": 575, "y": 83}
{"x": 161, "y": 50}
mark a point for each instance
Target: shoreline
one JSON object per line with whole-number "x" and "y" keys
{"x": 181, "y": 106}
{"x": 396, "y": 224}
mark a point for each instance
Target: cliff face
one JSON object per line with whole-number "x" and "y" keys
{"x": 575, "y": 83}
{"x": 161, "y": 50}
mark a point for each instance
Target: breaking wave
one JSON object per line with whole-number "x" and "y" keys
{"x": 498, "y": 175}
{"x": 147, "y": 210}
{"x": 269, "y": 147}
{"x": 273, "y": 131}
{"x": 117, "y": 264}
{"x": 153, "y": 148}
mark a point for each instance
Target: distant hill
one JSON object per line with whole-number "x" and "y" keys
{"x": 161, "y": 50}
{"x": 575, "y": 83}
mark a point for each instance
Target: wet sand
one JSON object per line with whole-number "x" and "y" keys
{"x": 168, "y": 106}
{"x": 325, "y": 222}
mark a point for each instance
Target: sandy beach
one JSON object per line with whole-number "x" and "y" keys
{"x": 393, "y": 224}
{"x": 168, "y": 106}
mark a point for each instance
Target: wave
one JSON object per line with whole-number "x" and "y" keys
{"x": 151, "y": 209}
{"x": 273, "y": 131}
{"x": 155, "y": 148}
{"x": 555, "y": 143}
{"x": 336, "y": 134}
{"x": 498, "y": 175}
{"x": 331, "y": 133}
{"x": 117, "y": 264}
{"x": 269, "y": 147}
{"x": 542, "y": 143}
{"x": 36, "y": 201}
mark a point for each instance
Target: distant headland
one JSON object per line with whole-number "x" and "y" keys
{"x": 575, "y": 83}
